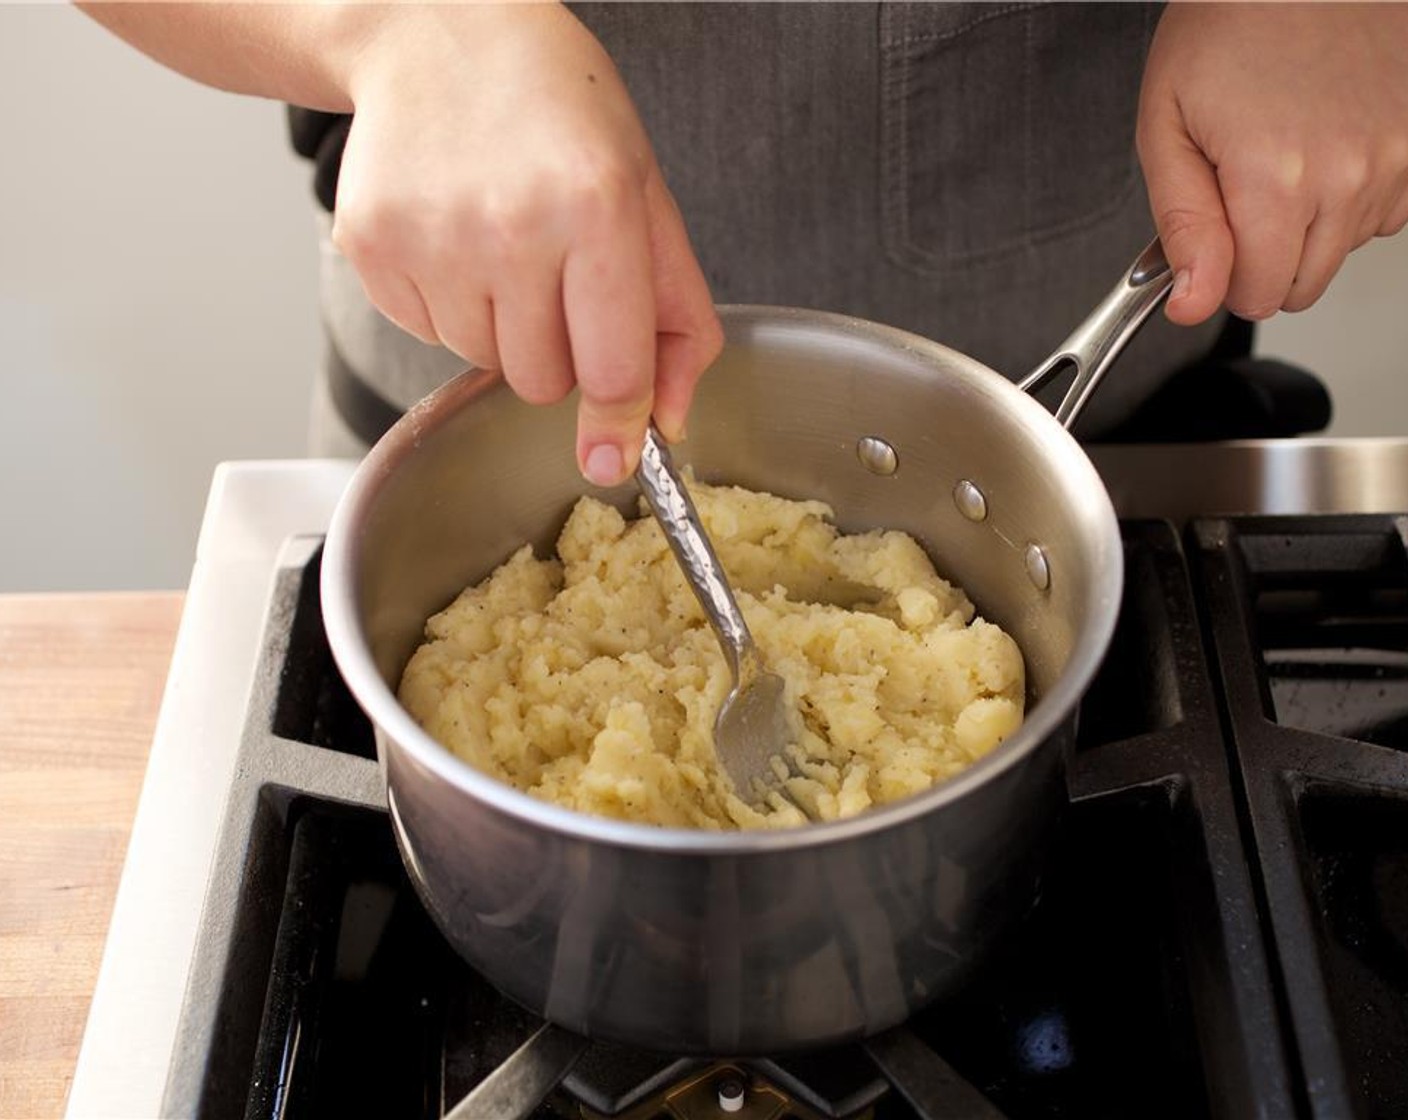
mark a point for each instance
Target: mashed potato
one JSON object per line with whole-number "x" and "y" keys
{"x": 593, "y": 680}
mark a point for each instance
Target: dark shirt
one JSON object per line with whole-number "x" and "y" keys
{"x": 963, "y": 171}
{"x": 320, "y": 137}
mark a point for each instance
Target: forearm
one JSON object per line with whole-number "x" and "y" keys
{"x": 300, "y": 53}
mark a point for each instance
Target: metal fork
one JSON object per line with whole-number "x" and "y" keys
{"x": 753, "y": 725}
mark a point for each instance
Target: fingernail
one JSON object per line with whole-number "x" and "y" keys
{"x": 604, "y": 465}
{"x": 1181, "y": 282}
{"x": 673, "y": 433}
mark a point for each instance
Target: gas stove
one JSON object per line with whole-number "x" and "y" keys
{"x": 1224, "y": 931}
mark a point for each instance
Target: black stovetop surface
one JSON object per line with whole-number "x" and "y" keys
{"x": 1224, "y": 930}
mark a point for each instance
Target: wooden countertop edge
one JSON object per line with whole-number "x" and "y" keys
{"x": 81, "y": 681}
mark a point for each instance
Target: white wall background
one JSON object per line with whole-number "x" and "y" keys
{"x": 158, "y": 307}
{"x": 157, "y": 302}
{"x": 1356, "y": 339}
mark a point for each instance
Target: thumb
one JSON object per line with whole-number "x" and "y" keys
{"x": 1189, "y": 215}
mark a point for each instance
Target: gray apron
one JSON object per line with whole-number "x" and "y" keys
{"x": 964, "y": 171}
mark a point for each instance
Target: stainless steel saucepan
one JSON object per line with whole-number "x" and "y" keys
{"x": 740, "y": 943}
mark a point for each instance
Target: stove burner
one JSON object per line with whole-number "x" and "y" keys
{"x": 719, "y": 1089}
{"x": 1145, "y": 963}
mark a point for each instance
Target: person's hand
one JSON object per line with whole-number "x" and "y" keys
{"x": 1274, "y": 140}
{"x": 498, "y": 195}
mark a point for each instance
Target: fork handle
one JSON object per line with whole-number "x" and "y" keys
{"x": 674, "y": 510}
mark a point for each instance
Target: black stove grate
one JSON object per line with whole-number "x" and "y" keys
{"x": 1145, "y": 982}
{"x": 359, "y": 980}
{"x": 312, "y": 703}
{"x": 1309, "y": 621}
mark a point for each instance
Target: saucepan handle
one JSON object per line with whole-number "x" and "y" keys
{"x": 1096, "y": 343}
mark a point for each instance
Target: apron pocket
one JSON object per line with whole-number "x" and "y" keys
{"x": 1005, "y": 126}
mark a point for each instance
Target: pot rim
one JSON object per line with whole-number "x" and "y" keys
{"x": 396, "y": 727}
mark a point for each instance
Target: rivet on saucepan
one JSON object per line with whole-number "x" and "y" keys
{"x": 971, "y": 501}
{"x": 1038, "y": 567}
{"x": 876, "y": 455}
